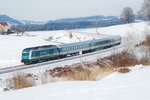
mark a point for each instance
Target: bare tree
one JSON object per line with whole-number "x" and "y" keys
{"x": 145, "y": 9}
{"x": 127, "y": 15}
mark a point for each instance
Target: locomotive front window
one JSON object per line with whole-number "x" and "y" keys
{"x": 25, "y": 54}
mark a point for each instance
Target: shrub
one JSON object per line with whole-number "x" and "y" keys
{"x": 81, "y": 71}
{"x": 123, "y": 59}
{"x": 144, "y": 61}
{"x": 147, "y": 40}
{"x": 20, "y": 81}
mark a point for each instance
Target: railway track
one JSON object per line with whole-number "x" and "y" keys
{"x": 23, "y": 67}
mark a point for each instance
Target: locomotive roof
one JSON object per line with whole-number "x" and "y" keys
{"x": 44, "y": 46}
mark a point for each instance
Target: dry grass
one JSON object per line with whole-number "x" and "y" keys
{"x": 99, "y": 73}
{"x": 145, "y": 42}
{"x": 19, "y": 81}
{"x": 144, "y": 61}
{"x": 84, "y": 71}
{"x": 127, "y": 59}
{"x": 91, "y": 73}
{"x": 145, "y": 49}
{"x": 123, "y": 59}
{"x": 79, "y": 75}
{"x": 99, "y": 69}
{"x": 45, "y": 78}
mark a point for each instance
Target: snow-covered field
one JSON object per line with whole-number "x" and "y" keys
{"x": 134, "y": 85}
{"x": 12, "y": 45}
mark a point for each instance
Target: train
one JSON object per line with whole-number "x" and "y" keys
{"x": 43, "y": 53}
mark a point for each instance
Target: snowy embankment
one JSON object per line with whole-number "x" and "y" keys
{"x": 134, "y": 85}
{"x": 12, "y": 45}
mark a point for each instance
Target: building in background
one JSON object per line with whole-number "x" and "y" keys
{"x": 4, "y": 28}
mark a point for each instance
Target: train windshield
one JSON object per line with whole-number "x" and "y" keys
{"x": 25, "y": 54}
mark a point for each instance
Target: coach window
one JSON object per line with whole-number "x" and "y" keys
{"x": 54, "y": 50}
{"x": 65, "y": 49}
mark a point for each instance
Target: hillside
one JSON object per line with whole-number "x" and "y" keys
{"x": 5, "y": 18}
{"x": 67, "y": 23}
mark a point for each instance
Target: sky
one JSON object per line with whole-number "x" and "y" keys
{"x": 44, "y": 10}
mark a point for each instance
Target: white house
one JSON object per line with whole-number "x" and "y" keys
{"x": 3, "y": 28}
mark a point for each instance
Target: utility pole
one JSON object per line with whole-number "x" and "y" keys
{"x": 96, "y": 27}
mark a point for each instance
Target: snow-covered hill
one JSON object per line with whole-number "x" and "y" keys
{"x": 5, "y": 18}
{"x": 134, "y": 85}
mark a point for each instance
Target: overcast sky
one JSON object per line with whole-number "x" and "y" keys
{"x": 43, "y": 10}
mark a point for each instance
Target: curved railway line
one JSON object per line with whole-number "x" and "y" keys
{"x": 23, "y": 67}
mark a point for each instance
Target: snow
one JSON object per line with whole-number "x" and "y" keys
{"x": 12, "y": 45}
{"x": 76, "y": 37}
{"x": 134, "y": 85}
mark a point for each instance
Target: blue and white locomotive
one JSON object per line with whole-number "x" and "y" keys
{"x": 44, "y": 53}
